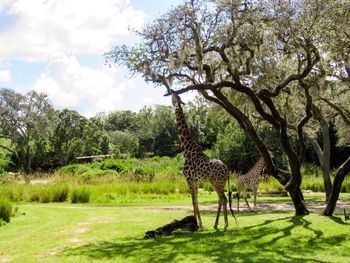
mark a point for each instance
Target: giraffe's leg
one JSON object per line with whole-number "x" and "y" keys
{"x": 218, "y": 214}
{"x": 220, "y": 190}
{"x": 224, "y": 204}
{"x": 237, "y": 195}
{"x": 255, "y": 191}
{"x": 194, "y": 194}
{"x": 245, "y": 199}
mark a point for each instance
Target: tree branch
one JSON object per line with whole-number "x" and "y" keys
{"x": 10, "y": 150}
{"x": 342, "y": 113}
{"x": 310, "y": 64}
{"x": 304, "y": 120}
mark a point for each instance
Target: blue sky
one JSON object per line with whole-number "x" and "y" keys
{"x": 56, "y": 47}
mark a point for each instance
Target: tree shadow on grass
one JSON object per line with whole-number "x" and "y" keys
{"x": 271, "y": 240}
{"x": 338, "y": 220}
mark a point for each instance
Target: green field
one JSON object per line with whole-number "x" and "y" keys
{"x": 121, "y": 207}
{"x": 86, "y": 233}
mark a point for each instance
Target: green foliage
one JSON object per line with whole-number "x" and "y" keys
{"x": 125, "y": 143}
{"x": 5, "y": 178}
{"x": 59, "y": 192}
{"x": 121, "y": 121}
{"x": 74, "y": 169}
{"x": 97, "y": 176}
{"x": 75, "y": 135}
{"x": 80, "y": 195}
{"x": 235, "y": 149}
{"x": 5, "y": 210}
{"x": 40, "y": 193}
{"x": 117, "y": 164}
{"x": 27, "y": 120}
{"x": 5, "y": 162}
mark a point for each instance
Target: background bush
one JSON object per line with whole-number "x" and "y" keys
{"x": 5, "y": 209}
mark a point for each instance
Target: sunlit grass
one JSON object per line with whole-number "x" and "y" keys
{"x": 115, "y": 234}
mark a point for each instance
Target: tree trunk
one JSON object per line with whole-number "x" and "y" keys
{"x": 324, "y": 155}
{"x": 342, "y": 171}
{"x": 324, "y": 160}
{"x": 28, "y": 159}
{"x": 295, "y": 192}
{"x": 298, "y": 201}
{"x": 292, "y": 183}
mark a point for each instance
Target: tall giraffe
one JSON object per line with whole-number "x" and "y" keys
{"x": 199, "y": 167}
{"x": 250, "y": 180}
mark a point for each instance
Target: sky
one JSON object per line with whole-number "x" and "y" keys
{"x": 57, "y": 47}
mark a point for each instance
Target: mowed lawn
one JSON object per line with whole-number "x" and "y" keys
{"x": 85, "y": 233}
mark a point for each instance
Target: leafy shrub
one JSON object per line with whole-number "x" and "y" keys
{"x": 80, "y": 195}
{"x": 98, "y": 176}
{"x": 5, "y": 178}
{"x": 5, "y": 162}
{"x": 144, "y": 173}
{"x": 75, "y": 169}
{"x": 5, "y": 210}
{"x": 235, "y": 149}
{"x": 118, "y": 165}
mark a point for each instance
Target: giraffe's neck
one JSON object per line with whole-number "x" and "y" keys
{"x": 188, "y": 145}
{"x": 259, "y": 166}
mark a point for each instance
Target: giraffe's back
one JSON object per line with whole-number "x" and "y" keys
{"x": 248, "y": 180}
{"x": 207, "y": 169}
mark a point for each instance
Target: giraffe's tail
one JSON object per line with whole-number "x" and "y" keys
{"x": 230, "y": 199}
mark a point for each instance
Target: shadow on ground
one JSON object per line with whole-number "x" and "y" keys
{"x": 271, "y": 239}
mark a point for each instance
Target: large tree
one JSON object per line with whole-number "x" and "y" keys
{"x": 75, "y": 135}
{"x": 25, "y": 120}
{"x": 260, "y": 51}
{"x": 331, "y": 92}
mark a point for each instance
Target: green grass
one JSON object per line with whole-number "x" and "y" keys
{"x": 5, "y": 210}
{"x": 80, "y": 195}
{"x": 115, "y": 234}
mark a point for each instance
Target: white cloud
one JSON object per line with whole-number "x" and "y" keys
{"x": 5, "y": 75}
{"x": 4, "y": 3}
{"x": 69, "y": 85}
{"x": 77, "y": 27}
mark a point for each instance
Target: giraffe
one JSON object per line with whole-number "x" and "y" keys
{"x": 199, "y": 167}
{"x": 250, "y": 180}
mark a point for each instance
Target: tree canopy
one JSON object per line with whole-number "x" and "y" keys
{"x": 259, "y": 60}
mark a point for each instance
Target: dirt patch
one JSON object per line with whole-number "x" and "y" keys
{"x": 79, "y": 230}
{"x": 312, "y": 206}
{"x": 4, "y": 259}
{"x": 41, "y": 181}
{"x": 74, "y": 240}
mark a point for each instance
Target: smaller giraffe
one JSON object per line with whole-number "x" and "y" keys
{"x": 250, "y": 180}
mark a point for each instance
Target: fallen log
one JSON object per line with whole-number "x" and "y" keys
{"x": 189, "y": 224}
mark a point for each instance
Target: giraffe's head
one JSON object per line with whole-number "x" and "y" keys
{"x": 175, "y": 99}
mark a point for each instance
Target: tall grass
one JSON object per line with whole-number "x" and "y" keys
{"x": 5, "y": 210}
{"x": 80, "y": 195}
{"x": 112, "y": 181}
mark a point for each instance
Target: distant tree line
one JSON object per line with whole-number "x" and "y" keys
{"x": 34, "y": 136}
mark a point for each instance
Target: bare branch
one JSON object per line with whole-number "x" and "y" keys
{"x": 310, "y": 64}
